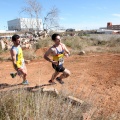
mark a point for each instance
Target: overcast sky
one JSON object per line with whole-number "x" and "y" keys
{"x": 78, "y": 14}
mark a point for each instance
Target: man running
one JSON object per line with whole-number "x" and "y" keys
{"x": 58, "y": 50}
{"x": 18, "y": 60}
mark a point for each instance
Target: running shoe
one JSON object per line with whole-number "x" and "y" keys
{"x": 51, "y": 82}
{"x": 59, "y": 80}
{"x": 25, "y": 82}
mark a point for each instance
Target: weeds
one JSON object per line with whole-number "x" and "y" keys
{"x": 29, "y": 55}
{"x": 43, "y": 43}
{"x": 1, "y": 59}
{"x": 75, "y": 42}
{"x": 37, "y": 106}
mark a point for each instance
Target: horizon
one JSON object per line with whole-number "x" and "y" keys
{"x": 77, "y": 14}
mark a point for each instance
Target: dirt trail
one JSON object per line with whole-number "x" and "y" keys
{"x": 94, "y": 78}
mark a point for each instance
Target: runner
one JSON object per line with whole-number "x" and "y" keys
{"x": 58, "y": 50}
{"x": 18, "y": 60}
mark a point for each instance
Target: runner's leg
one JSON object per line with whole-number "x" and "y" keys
{"x": 23, "y": 71}
{"x": 66, "y": 73}
{"x": 54, "y": 75}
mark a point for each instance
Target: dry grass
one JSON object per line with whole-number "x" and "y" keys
{"x": 1, "y": 49}
{"x": 90, "y": 44}
{"x": 1, "y": 59}
{"x": 23, "y": 105}
{"x": 43, "y": 43}
{"x": 29, "y": 54}
{"x": 20, "y": 104}
{"x": 76, "y": 43}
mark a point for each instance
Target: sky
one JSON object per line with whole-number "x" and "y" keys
{"x": 78, "y": 14}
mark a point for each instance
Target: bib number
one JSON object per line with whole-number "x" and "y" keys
{"x": 61, "y": 61}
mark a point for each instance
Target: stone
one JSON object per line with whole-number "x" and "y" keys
{"x": 51, "y": 91}
{"x": 75, "y": 101}
{"x": 27, "y": 61}
{"x": 2, "y": 44}
{"x": 88, "y": 115}
{"x": 82, "y": 52}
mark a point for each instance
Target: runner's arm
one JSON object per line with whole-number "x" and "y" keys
{"x": 13, "y": 55}
{"x": 46, "y": 56}
{"x": 66, "y": 50}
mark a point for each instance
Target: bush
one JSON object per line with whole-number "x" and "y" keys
{"x": 1, "y": 49}
{"x": 73, "y": 42}
{"x": 1, "y": 59}
{"x": 114, "y": 50}
{"x": 29, "y": 54}
{"x": 43, "y": 43}
{"x": 114, "y": 43}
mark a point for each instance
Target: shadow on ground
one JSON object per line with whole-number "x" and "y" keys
{"x": 5, "y": 85}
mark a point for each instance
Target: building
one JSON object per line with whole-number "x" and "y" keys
{"x": 4, "y": 31}
{"x": 112, "y": 27}
{"x": 70, "y": 30}
{"x": 60, "y": 30}
{"x": 25, "y": 24}
{"x": 109, "y": 29}
{"x": 106, "y": 31}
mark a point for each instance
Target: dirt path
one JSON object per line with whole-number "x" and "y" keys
{"x": 95, "y": 78}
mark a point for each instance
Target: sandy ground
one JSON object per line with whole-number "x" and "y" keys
{"x": 95, "y": 78}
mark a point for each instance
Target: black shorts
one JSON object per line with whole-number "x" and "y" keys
{"x": 58, "y": 68}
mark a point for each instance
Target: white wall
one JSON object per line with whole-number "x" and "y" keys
{"x": 14, "y": 24}
{"x": 30, "y": 23}
{"x": 25, "y": 24}
{"x": 106, "y": 31}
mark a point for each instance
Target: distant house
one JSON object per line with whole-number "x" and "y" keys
{"x": 70, "y": 30}
{"x": 6, "y": 31}
{"x": 106, "y": 31}
{"x": 60, "y": 30}
{"x": 112, "y": 27}
{"x": 25, "y": 24}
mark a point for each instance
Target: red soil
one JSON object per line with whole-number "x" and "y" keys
{"x": 95, "y": 78}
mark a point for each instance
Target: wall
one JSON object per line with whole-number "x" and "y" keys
{"x": 14, "y": 24}
{"x": 25, "y": 24}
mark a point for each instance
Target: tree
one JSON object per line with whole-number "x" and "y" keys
{"x": 34, "y": 9}
{"x": 51, "y": 19}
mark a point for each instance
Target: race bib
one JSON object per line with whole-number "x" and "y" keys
{"x": 61, "y": 61}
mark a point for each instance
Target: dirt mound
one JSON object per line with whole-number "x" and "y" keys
{"x": 41, "y": 52}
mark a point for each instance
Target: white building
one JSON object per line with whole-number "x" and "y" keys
{"x": 25, "y": 24}
{"x": 7, "y": 31}
{"x": 106, "y": 31}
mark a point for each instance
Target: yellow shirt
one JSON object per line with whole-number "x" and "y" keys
{"x": 59, "y": 57}
{"x": 19, "y": 56}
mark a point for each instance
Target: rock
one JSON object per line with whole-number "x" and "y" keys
{"x": 75, "y": 101}
{"x": 10, "y": 59}
{"x": 35, "y": 89}
{"x": 2, "y": 44}
{"x": 51, "y": 91}
{"x": 88, "y": 115}
{"x": 27, "y": 61}
{"x": 82, "y": 52}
